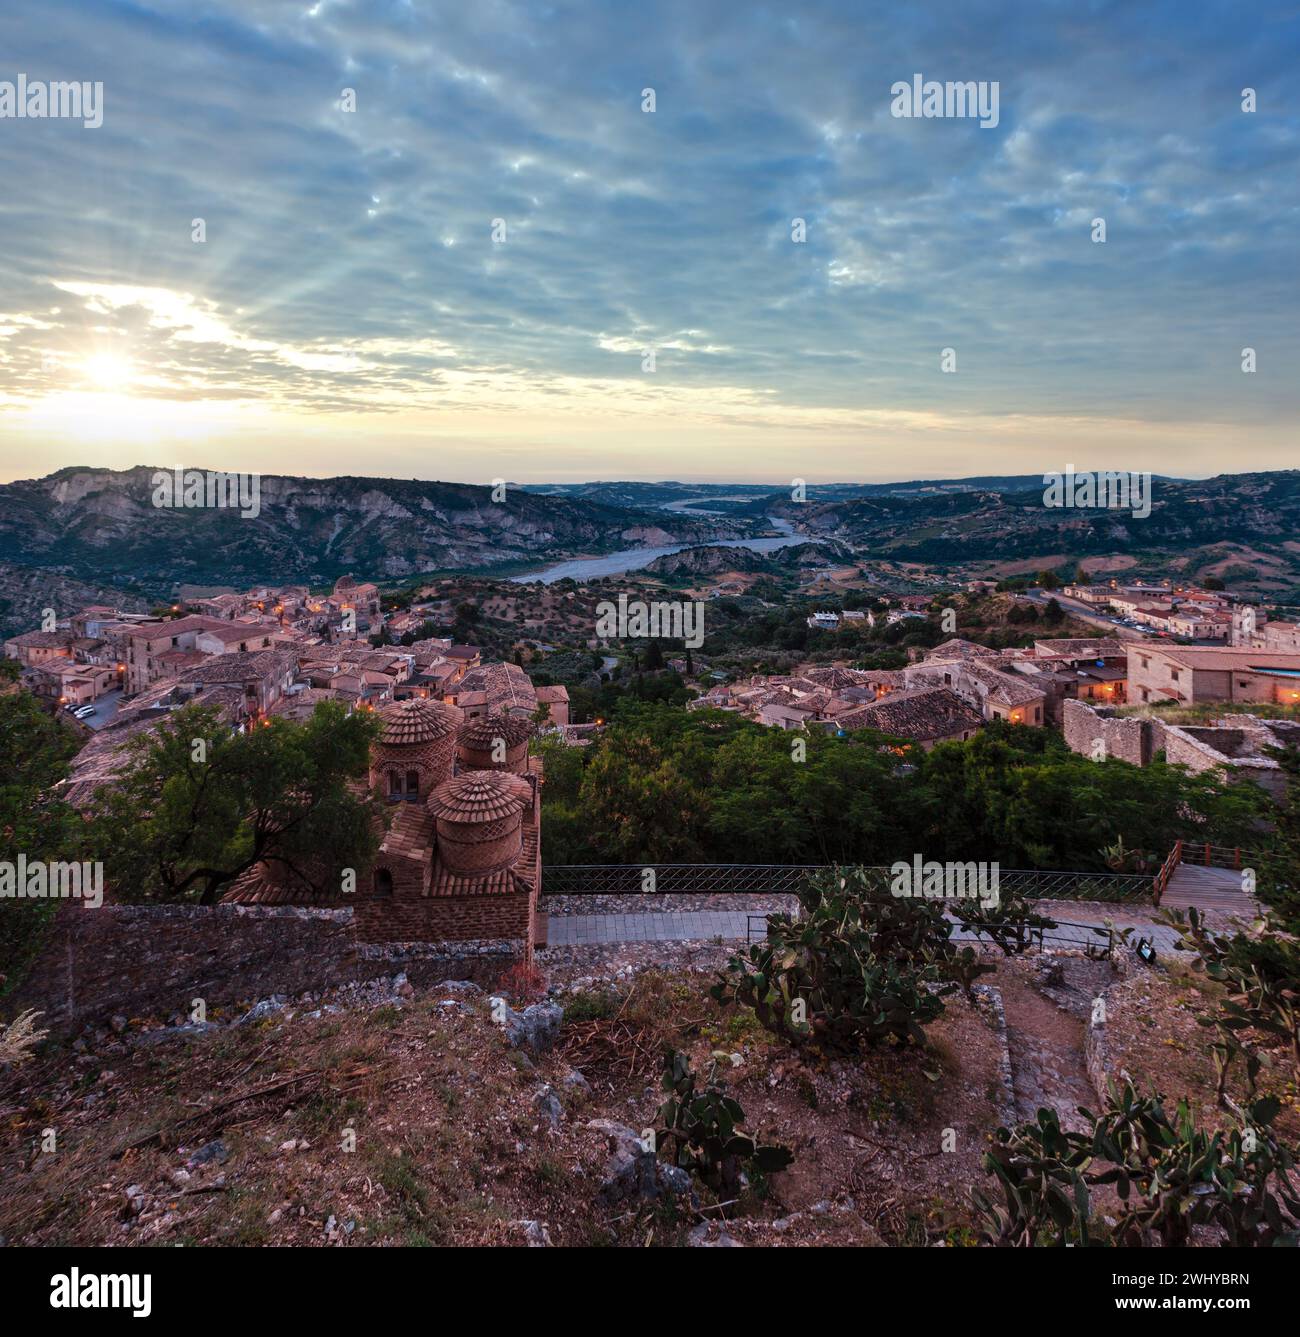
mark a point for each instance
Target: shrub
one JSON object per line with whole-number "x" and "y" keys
{"x": 701, "y": 1131}
{"x": 1170, "y": 1176}
{"x": 522, "y": 982}
{"x": 856, "y": 966}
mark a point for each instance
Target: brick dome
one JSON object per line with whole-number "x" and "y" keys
{"x": 415, "y": 749}
{"x": 416, "y": 721}
{"x": 495, "y": 743}
{"x": 479, "y": 815}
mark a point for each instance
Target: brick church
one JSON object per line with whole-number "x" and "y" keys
{"x": 461, "y": 860}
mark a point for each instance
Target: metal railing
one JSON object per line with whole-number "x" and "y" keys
{"x": 682, "y": 879}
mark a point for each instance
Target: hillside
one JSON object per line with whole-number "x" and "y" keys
{"x": 25, "y": 592}
{"x": 1242, "y": 527}
{"x": 101, "y": 525}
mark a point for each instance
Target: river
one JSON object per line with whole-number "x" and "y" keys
{"x": 634, "y": 559}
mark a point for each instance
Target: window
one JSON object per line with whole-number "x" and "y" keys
{"x": 394, "y": 785}
{"x": 1173, "y": 675}
{"x": 412, "y": 785}
{"x": 383, "y": 882}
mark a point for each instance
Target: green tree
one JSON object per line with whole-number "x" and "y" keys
{"x": 197, "y": 805}
{"x": 34, "y": 823}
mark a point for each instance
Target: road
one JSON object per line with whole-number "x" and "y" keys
{"x": 1083, "y": 613}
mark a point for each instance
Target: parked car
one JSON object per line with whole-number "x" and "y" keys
{"x": 84, "y": 712}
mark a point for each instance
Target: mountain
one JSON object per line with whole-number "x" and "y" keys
{"x": 101, "y": 525}
{"x": 753, "y": 497}
{"x": 713, "y": 561}
{"x": 1243, "y": 527}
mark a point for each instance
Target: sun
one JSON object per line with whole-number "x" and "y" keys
{"x": 110, "y": 370}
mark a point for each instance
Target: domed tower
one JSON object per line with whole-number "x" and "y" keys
{"x": 494, "y": 743}
{"x": 415, "y": 749}
{"x": 479, "y": 818}
{"x": 343, "y": 584}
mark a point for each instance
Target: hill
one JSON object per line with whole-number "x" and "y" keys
{"x": 101, "y": 525}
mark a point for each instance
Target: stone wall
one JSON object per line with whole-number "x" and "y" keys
{"x": 1130, "y": 739}
{"x": 137, "y": 960}
{"x": 1200, "y": 749}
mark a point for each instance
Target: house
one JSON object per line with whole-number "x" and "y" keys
{"x": 147, "y": 642}
{"x": 924, "y": 715}
{"x": 994, "y": 692}
{"x": 505, "y": 689}
{"x": 1193, "y": 674}
{"x": 39, "y": 647}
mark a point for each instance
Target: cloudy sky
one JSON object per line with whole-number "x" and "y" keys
{"x": 350, "y": 311}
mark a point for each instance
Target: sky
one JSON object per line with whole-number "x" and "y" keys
{"x": 439, "y": 240}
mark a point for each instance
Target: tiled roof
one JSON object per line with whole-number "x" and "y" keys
{"x": 243, "y": 666}
{"x": 922, "y": 713}
{"x": 416, "y": 720}
{"x": 412, "y": 833}
{"x": 157, "y": 631}
{"x": 480, "y": 796}
{"x": 480, "y": 734}
{"x": 1235, "y": 658}
{"x": 505, "y": 687}
{"x": 957, "y": 648}
{"x": 41, "y": 640}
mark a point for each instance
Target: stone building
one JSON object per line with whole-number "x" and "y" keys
{"x": 1193, "y": 674}
{"x": 460, "y": 862}
{"x": 462, "y": 859}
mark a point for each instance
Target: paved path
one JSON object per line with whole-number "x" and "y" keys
{"x": 1208, "y": 889}
{"x": 730, "y": 925}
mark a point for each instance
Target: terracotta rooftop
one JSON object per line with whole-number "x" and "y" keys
{"x": 1235, "y": 657}
{"x": 957, "y": 648}
{"x": 921, "y": 713}
{"x": 243, "y": 666}
{"x": 157, "y": 631}
{"x": 41, "y": 639}
{"x": 416, "y": 721}
{"x": 481, "y": 733}
{"x": 480, "y": 796}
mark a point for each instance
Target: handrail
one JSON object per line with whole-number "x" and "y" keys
{"x": 1161, "y": 879}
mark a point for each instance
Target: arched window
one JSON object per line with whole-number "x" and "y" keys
{"x": 394, "y": 785}
{"x": 383, "y": 882}
{"x": 412, "y": 786}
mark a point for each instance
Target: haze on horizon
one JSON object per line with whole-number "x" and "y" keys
{"x": 350, "y": 313}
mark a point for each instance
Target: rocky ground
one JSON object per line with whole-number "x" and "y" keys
{"x": 386, "y": 1114}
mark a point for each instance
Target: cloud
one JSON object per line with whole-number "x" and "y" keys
{"x": 350, "y": 267}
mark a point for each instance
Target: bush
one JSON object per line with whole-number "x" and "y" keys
{"x": 701, "y": 1131}
{"x": 1170, "y": 1176}
{"x": 857, "y": 966}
